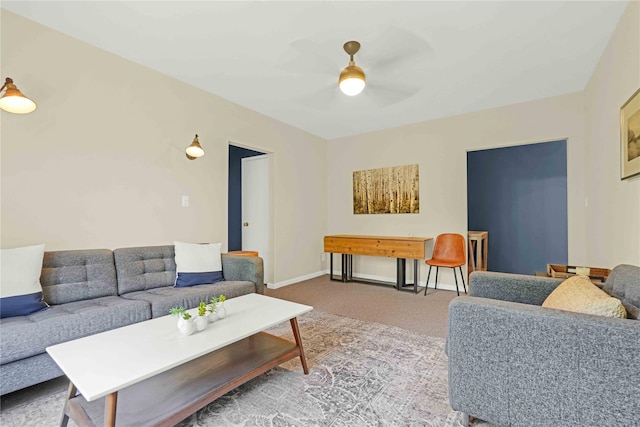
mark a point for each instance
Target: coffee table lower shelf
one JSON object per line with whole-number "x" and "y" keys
{"x": 170, "y": 397}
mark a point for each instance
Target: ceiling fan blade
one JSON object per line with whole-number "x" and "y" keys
{"x": 385, "y": 95}
{"x": 395, "y": 48}
{"x": 307, "y": 56}
{"x": 321, "y": 99}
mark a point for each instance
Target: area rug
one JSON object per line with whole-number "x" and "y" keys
{"x": 361, "y": 374}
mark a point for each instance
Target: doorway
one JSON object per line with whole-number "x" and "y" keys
{"x": 519, "y": 195}
{"x": 255, "y": 208}
{"x": 248, "y": 204}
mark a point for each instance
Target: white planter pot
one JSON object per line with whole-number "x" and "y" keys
{"x": 201, "y": 322}
{"x": 221, "y": 310}
{"x": 212, "y": 316}
{"x": 187, "y": 326}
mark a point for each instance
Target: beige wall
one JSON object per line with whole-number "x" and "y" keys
{"x": 440, "y": 148}
{"x": 101, "y": 164}
{"x": 613, "y": 220}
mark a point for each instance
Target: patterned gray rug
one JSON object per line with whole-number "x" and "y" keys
{"x": 362, "y": 374}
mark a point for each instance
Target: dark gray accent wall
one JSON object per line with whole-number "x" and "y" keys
{"x": 234, "y": 233}
{"x": 519, "y": 195}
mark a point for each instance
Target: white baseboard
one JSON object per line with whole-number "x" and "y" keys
{"x": 441, "y": 285}
{"x": 296, "y": 280}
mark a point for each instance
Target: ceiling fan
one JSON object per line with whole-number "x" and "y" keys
{"x": 352, "y": 79}
{"x": 392, "y": 64}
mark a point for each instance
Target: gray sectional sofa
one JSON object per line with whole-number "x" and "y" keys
{"x": 515, "y": 363}
{"x": 91, "y": 291}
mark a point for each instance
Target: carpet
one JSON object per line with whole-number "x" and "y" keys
{"x": 361, "y": 374}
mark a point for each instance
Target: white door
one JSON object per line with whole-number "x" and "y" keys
{"x": 255, "y": 209}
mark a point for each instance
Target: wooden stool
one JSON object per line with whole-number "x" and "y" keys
{"x": 478, "y": 247}
{"x": 243, "y": 253}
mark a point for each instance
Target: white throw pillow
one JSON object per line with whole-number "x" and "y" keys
{"x": 20, "y": 289}
{"x": 198, "y": 264}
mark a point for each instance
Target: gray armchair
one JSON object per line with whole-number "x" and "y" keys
{"x": 515, "y": 363}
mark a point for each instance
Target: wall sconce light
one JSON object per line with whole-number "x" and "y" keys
{"x": 14, "y": 101}
{"x": 194, "y": 150}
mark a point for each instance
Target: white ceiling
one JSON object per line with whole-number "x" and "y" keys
{"x": 423, "y": 59}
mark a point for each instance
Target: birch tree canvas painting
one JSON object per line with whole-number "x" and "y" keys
{"x": 386, "y": 190}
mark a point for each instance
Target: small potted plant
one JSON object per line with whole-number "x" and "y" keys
{"x": 178, "y": 311}
{"x": 201, "y": 320}
{"x": 188, "y": 326}
{"x": 212, "y": 307}
{"x": 221, "y": 310}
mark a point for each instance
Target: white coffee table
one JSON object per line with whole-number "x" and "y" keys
{"x": 149, "y": 373}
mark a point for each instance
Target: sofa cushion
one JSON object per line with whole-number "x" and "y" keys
{"x": 198, "y": 264}
{"x": 624, "y": 283}
{"x": 30, "y": 335}
{"x": 580, "y": 295}
{"x": 163, "y": 299}
{"x": 145, "y": 267}
{"x": 77, "y": 275}
{"x": 20, "y": 289}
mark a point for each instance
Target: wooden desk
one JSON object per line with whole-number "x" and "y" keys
{"x": 401, "y": 248}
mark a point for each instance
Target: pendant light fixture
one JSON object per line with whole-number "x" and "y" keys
{"x": 13, "y": 101}
{"x": 352, "y": 80}
{"x": 195, "y": 149}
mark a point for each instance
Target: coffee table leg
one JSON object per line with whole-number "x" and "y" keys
{"x": 110, "y": 409}
{"x": 296, "y": 334}
{"x": 71, "y": 392}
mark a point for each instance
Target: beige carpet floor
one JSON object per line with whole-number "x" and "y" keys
{"x": 425, "y": 315}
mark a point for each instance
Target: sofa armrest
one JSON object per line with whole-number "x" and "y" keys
{"x": 512, "y": 287}
{"x": 235, "y": 267}
{"x": 518, "y": 364}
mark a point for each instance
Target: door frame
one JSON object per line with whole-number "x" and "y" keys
{"x": 270, "y": 274}
{"x": 250, "y": 193}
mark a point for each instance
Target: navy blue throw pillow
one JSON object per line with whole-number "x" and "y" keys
{"x": 192, "y": 279}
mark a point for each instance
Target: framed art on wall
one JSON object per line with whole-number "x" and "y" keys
{"x": 391, "y": 190}
{"x": 630, "y": 137}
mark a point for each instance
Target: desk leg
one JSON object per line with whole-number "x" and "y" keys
{"x": 401, "y": 273}
{"x": 345, "y": 267}
{"x": 331, "y": 266}
{"x": 416, "y": 277}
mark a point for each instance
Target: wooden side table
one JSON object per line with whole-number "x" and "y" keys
{"x": 478, "y": 246}
{"x": 243, "y": 253}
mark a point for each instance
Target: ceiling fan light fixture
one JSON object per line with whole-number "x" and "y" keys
{"x": 352, "y": 80}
